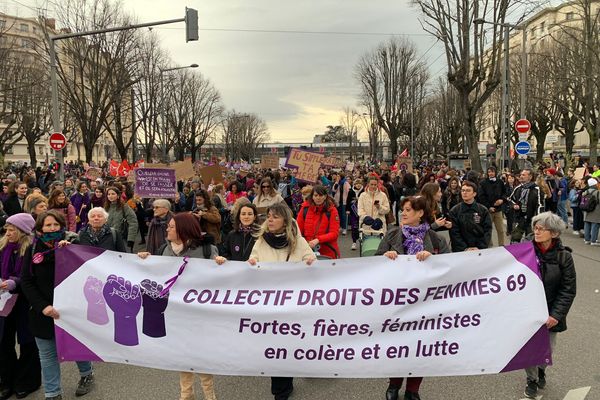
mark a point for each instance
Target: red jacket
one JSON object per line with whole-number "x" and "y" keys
{"x": 316, "y": 226}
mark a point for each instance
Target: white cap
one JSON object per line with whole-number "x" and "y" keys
{"x": 592, "y": 182}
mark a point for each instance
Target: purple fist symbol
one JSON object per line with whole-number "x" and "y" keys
{"x": 96, "y": 310}
{"x": 154, "y": 308}
{"x": 125, "y": 300}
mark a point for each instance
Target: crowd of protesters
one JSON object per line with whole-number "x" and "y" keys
{"x": 268, "y": 215}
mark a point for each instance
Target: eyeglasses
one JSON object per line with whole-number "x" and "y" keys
{"x": 538, "y": 228}
{"x": 466, "y": 190}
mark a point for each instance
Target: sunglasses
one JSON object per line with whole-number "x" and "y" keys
{"x": 265, "y": 187}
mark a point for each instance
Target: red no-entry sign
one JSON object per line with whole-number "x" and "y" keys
{"x": 58, "y": 141}
{"x": 523, "y": 126}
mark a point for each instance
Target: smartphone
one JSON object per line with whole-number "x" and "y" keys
{"x": 376, "y": 201}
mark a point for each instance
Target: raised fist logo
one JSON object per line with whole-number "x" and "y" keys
{"x": 154, "y": 308}
{"x": 96, "y": 309}
{"x": 125, "y": 300}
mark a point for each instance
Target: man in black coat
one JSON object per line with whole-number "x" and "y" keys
{"x": 491, "y": 195}
{"x": 471, "y": 222}
{"x": 526, "y": 203}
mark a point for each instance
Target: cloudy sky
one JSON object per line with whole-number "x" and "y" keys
{"x": 298, "y": 82}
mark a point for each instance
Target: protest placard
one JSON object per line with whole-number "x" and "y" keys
{"x": 211, "y": 174}
{"x": 307, "y": 164}
{"x": 579, "y": 173}
{"x": 405, "y": 164}
{"x": 355, "y": 318}
{"x": 155, "y": 182}
{"x": 350, "y": 166}
{"x": 269, "y": 161}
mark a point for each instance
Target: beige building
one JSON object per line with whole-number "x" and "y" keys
{"x": 25, "y": 39}
{"x": 540, "y": 28}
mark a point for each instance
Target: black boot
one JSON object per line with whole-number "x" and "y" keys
{"x": 411, "y": 396}
{"x": 541, "y": 378}
{"x": 392, "y": 392}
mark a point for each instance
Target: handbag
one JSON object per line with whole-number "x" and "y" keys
{"x": 124, "y": 228}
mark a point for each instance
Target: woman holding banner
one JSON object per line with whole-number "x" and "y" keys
{"x": 558, "y": 274}
{"x": 279, "y": 240}
{"x": 20, "y": 375}
{"x": 184, "y": 239}
{"x": 414, "y": 237}
{"x": 37, "y": 280}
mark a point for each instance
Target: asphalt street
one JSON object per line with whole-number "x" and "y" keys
{"x": 577, "y": 363}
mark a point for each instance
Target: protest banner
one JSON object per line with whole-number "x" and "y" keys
{"x": 405, "y": 163}
{"x": 579, "y": 173}
{"x": 354, "y": 317}
{"x": 155, "y": 182}
{"x": 269, "y": 161}
{"x": 211, "y": 174}
{"x": 307, "y": 164}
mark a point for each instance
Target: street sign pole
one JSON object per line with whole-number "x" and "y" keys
{"x": 55, "y": 116}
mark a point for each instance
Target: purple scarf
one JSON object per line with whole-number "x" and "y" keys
{"x": 7, "y": 253}
{"x": 413, "y": 238}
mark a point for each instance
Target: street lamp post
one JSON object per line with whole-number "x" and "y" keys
{"x": 505, "y": 142}
{"x": 163, "y": 113}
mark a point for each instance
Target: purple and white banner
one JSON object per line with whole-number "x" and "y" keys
{"x": 466, "y": 313}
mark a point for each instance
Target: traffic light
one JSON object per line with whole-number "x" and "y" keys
{"x": 191, "y": 24}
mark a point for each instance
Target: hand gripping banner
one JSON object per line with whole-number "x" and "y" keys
{"x": 465, "y": 313}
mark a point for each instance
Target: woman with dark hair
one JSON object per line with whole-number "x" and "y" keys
{"x": 428, "y": 178}
{"x": 18, "y": 374}
{"x": 208, "y": 216}
{"x": 235, "y": 192}
{"x": 17, "y": 192}
{"x": 268, "y": 195}
{"x": 433, "y": 195}
{"x": 37, "y": 280}
{"x": 341, "y": 189}
{"x": 239, "y": 242}
{"x": 81, "y": 201}
{"x": 319, "y": 222}
{"x": 415, "y": 237}
{"x": 184, "y": 239}
{"x": 98, "y": 198}
{"x": 451, "y": 196}
{"x": 59, "y": 201}
{"x": 120, "y": 216}
{"x": 280, "y": 241}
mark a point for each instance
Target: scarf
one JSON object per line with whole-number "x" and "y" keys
{"x": 50, "y": 239}
{"x": 525, "y": 195}
{"x": 95, "y": 236}
{"x": 177, "y": 248}
{"x": 7, "y": 253}
{"x": 276, "y": 241}
{"x": 413, "y": 238}
{"x": 246, "y": 228}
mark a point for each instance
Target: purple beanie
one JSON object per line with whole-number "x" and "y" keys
{"x": 23, "y": 221}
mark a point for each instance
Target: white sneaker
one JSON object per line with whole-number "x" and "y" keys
{"x": 595, "y": 244}
{"x": 586, "y": 242}
{"x": 353, "y": 246}
{"x": 344, "y": 232}
{"x": 576, "y": 233}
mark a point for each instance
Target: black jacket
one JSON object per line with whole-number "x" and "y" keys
{"x": 394, "y": 239}
{"x": 12, "y": 206}
{"x": 560, "y": 284}
{"x": 533, "y": 205}
{"x": 490, "y": 192}
{"x": 237, "y": 246}
{"x": 471, "y": 226}
{"x": 110, "y": 241}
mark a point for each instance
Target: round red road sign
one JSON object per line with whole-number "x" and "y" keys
{"x": 522, "y": 126}
{"x": 58, "y": 141}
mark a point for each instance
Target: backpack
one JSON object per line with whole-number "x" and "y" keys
{"x": 589, "y": 201}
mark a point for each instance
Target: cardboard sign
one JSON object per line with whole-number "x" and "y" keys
{"x": 211, "y": 174}
{"x": 155, "y": 182}
{"x": 467, "y": 164}
{"x": 405, "y": 164}
{"x": 579, "y": 173}
{"x": 183, "y": 169}
{"x": 270, "y": 161}
{"x": 350, "y": 166}
{"x": 307, "y": 164}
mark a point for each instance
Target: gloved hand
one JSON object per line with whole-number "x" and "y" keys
{"x": 96, "y": 310}
{"x": 125, "y": 300}
{"x": 8, "y": 284}
{"x": 154, "y": 308}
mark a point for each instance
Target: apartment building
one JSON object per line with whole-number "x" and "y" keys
{"x": 540, "y": 30}
{"x": 25, "y": 39}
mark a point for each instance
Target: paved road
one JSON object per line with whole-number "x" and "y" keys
{"x": 577, "y": 359}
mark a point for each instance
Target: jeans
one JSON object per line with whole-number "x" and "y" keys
{"x": 590, "y": 230}
{"x": 51, "y": 367}
{"x": 562, "y": 211}
{"x": 343, "y": 217}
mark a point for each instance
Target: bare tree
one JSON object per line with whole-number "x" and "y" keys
{"x": 242, "y": 134}
{"x": 94, "y": 70}
{"x": 392, "y": 77}
{"x": 206, "y": 113}
{"x": 473, "y": 68}
{"x": 350, "y": 122}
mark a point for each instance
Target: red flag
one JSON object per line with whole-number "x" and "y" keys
{"x": 113, "y": 168}
{"x": 124, "y": 168}
{"x": 404, "y": 153}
